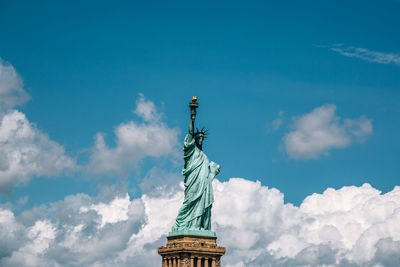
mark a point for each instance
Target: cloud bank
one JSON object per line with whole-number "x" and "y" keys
{"x": 367, "y": 55}
{"x": 319, "y": 131}
{"x": 352, "y": 226}
{"x": 26, "y": 151}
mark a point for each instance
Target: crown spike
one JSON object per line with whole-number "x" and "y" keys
{"x": 203, "y": 131}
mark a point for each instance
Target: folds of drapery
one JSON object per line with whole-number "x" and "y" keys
{"x": 195, "y": 212}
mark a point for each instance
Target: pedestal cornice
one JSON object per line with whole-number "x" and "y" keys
{"x": 190, "y": 250}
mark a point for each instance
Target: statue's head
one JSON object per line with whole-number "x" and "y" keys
{"x": 199, "y": 137}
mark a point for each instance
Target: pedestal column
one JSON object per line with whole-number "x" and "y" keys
{"x": 213, "y": 262}
{"x": 206, "y": 262}
{"x": 164, "y": 262}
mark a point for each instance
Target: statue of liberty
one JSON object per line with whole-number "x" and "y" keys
{"x": 194, "y": 217}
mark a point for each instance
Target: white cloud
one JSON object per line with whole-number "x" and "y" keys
{"x": 26, "y": 152}
{"x": 321, "y": 130}
{"x": 334, "y": 228}
{"x": 365, "y": 54}
{"x": 115, "y": 211}
{"x": 134, "y": 142}
{"x": 352, "y": 226}
{"x": 146, "y": 110}
{"x": 12, "y": 92}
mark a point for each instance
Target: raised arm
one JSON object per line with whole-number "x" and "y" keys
{"x": 191, "y": 124}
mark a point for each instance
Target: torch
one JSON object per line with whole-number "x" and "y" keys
{"x": 193, "y": 106}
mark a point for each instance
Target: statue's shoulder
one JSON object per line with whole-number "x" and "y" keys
{"x": 188, "y": 142}
{"x": 189, "y": 137}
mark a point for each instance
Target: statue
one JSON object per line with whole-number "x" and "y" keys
{"x": 194, "y": 217}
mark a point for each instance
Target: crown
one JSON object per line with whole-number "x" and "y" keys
{"x": 203, "y": 131}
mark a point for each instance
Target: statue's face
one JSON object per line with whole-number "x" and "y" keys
{"x": 199, "y": 140}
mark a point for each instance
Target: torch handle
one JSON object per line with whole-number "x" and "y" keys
{"x": 193, "y": 106}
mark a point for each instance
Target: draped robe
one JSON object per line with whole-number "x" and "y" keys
{"x": 195, "y": 213}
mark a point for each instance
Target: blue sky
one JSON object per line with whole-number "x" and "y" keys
{"x": 302, "y": 102}
{"x": 85, "y": 64}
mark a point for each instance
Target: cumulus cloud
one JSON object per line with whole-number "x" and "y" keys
{"x": 351, "y": 226}
{"x": 319, "y": 131}
{"x": 365, "y": 54}
{"x": 26, "y": 152}
{"x": 88, "y": 231}
{"x": 146, "y": 110}
{"x": 12, "y": 92}
{"x": 134, "y": 142}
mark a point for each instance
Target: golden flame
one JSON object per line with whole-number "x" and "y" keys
{"x": 194, "y": 99}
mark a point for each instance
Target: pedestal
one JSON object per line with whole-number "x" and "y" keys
{"x": 191, "y": 251}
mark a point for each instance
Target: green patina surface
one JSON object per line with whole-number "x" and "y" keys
{"x": 192, "y": 232}
{"x": 194, "y": 217}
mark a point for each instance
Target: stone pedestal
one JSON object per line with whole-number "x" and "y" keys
{"x": 191, "y": 251}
